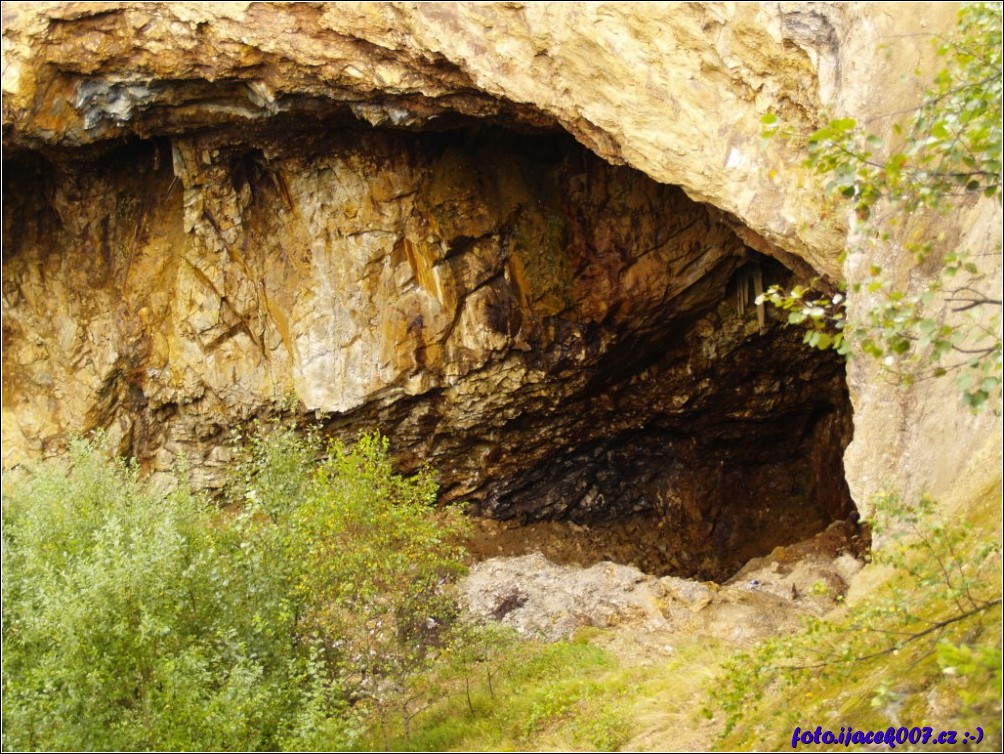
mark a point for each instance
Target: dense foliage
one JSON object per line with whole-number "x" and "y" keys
{"x": 947, "y": 153}
{"x": 134, "y": 620}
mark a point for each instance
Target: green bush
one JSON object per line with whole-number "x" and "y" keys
{"x": 372, "y": 559}
{"x": 134, "y": 620}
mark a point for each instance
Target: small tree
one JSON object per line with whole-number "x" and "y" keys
{"x": 373, "y": 558}
{"x": 481, "y": 646}
{"x": 951, "y": 151}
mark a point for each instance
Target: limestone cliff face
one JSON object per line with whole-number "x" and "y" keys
{"x": 518, "y": 239}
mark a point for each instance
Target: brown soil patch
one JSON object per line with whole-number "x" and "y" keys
{"x": 645, "y": 541}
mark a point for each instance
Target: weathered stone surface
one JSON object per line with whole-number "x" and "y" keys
{"x": 676, "y": 91}
{"x": 540, "y": 598}
{"x": 211, "y": 207}
{"x": 922, "y": 440}
{"x": 561, "y": 338}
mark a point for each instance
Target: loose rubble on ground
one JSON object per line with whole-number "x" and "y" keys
{"x": 769, "y": 595}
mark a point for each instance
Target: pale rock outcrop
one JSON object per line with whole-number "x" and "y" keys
{"x": 770, "y": 595}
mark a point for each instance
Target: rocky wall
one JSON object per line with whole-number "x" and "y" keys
{"x": 561, "y": 338}
{"x": 410, "y": 216}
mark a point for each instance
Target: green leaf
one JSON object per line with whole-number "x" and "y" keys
{"x": 843, "y": 124}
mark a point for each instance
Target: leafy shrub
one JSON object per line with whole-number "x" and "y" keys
{"x": 372, "y": 560}
{"x": 134, "y": 620}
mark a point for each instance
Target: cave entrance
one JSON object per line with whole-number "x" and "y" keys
{"x": 572, "y": 346}
{"x": 614, "y": 392}
{"x": 734, "y": 447}
{"x": 669, "y": 422}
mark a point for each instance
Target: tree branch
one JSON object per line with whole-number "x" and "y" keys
{"x": 940, "y": 625}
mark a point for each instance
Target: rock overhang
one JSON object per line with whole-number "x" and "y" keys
{"x": 231, "y": 114}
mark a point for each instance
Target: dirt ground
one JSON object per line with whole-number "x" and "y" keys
{"x": 669, "y": 633}
{"x": 644, "y": 541}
